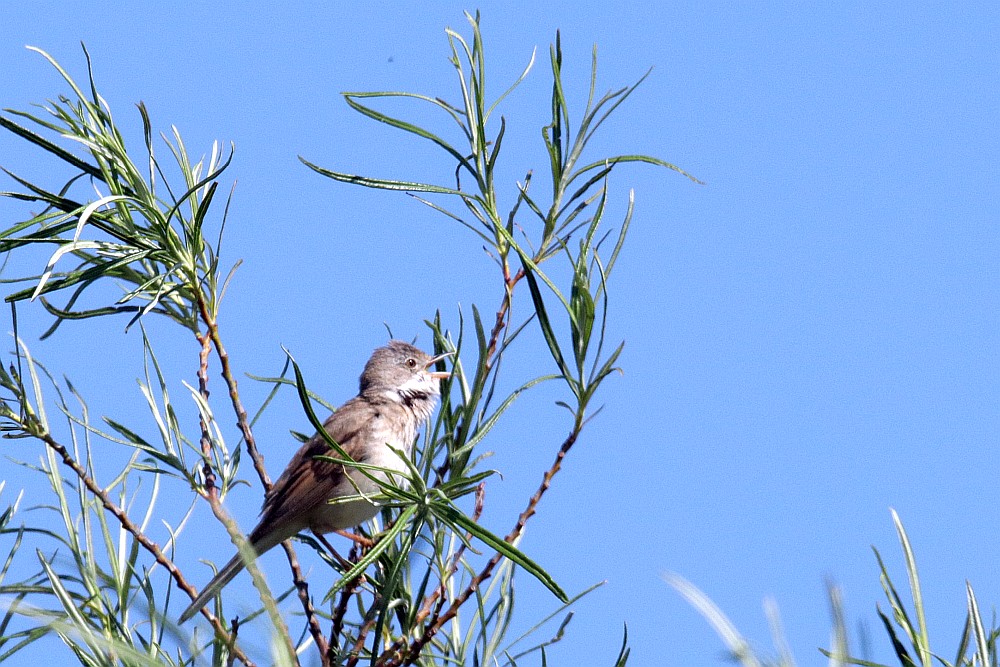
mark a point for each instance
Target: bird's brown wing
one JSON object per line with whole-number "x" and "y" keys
{"x": 309, "y": 482}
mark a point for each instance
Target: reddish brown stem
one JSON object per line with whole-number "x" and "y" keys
{"x": 436, "y": 599}
{"x": 345, "y": 597}
{"x": 139, "y": 536}
{"x": 258, "y": 461}
{"x": 395, "y": 655}
{"x": 206, "y": 440}
{"x": 501, "y": 321}
{"x": 360, "y": 643}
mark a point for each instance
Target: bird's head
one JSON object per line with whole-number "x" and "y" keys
{"x": 400, "y": 369}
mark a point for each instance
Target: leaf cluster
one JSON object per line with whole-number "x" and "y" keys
{"x": 426, "y": 582}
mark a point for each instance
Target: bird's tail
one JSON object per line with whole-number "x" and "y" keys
{"x": 260, "y": 540}
{"x": 223, "y": 577}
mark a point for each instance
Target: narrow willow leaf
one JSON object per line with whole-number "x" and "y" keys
{"x": 921, "y": 639}
{"x": 483, "y": 430}
{"x": 543, "y": 322}
{"x": 487, "y": 240}
{"x": 633, "y": 158}
{"x": 48, "y": 146}
{"x": 899, "y": 609}
{"x": 461, "y": 522}
{"x": 728, "y": 633}
{"x": 621, "y": 234}
{"x": 69, "y": 604}
{"x": 562, "y": 608}
{"x": 582, "y": 192}
{"x": 963, "y": 643}
{"x": 584, "y": 312}
{"x": 385, "y": 540}
{"x": 522, "y": 77}
{"x": 608, "y": 366}
{"x": 624, "y": 652}
{"x": 383, "y": 184}
{"x": 975, "y": 620}
{"x": 459, "y": 487}
{"x": 194, "y": 187}
{"x": 897, "y": 646}
{"x": 409, "y": 127}
{"x": 73, "y": 246}
{"x": 76, "y": 277}
{"x": 444, "y": 106}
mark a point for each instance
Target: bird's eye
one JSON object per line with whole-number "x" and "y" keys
{"x": 411, "y": 362}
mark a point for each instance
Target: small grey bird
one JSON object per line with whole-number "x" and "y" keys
{"x": 397, "y": 395}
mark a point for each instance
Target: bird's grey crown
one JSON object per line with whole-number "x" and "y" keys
{"x": 387, "y": 367}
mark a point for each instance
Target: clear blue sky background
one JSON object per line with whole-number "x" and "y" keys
{"x": 811, "y": 337}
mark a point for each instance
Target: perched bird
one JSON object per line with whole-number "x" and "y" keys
{"x": 398, "y": 392}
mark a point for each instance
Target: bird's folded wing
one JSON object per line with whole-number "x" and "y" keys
{"x": 309, "y": 482}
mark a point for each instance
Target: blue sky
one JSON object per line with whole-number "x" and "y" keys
{"x": 811, "y": 337}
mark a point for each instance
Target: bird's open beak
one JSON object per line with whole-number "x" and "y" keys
{"x": 439, "y": 375}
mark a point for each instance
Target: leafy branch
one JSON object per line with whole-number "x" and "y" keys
{"x": 415, "y": 588}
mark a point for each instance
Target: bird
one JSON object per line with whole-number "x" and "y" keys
{"x": 397, "y": 394}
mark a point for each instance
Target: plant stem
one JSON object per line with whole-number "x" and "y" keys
{"x": 258, "y": 461}
{"x": 412, "y": 652}
{"x": 139, "y": 536}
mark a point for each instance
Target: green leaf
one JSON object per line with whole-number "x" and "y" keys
{"x": 408, "y": 127}
{"x": 385, "y": 540}
{"x": 584, "y": 312}
{"x": 483, "y": 429}
{"x": 48, "y": 146}
{"x": 75, "y": 277}
{"x": 543, "y": 319}
{"x": 618, "y": 159}
{"x": 897, "y": 646}
{"x": 456, "y": 519}
{"x": 382, "y": 184}
{"x": 975, "y": 620}
{"x": 921, "y": 638}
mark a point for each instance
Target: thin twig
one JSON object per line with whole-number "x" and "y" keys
{"x": 139, "y": 536}
{"x": 345, "y": 597}
{"x": 412, "y": 652}
{"x": 206, "y": 439}
{"x": 362, "y": 638}
{"x": 436, "y": 598}
{"x": 498, "y": 326}
{"x": 501, "y": 321}
{"x": 258, "y": 461}
{"x": 235, "y": 625}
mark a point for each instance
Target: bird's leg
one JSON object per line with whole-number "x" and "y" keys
{"x": 354, "y": 537}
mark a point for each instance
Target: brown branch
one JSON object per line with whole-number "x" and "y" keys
{"x": 501, "y": 321}
{"x": 258, "y": 461}
{"x": 242, "y": 422}
{"x": 346, "y": 594}
{"x": 206, "y": 439}
{"x": 360, "y": 643}
{"x": 139, "y": 536}
{"x": 499, "y": 325}
{"x": 235, "y": 625}
{"x": 211, "y": 492}
{"x": 412, "y": 652}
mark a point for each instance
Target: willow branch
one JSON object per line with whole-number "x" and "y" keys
{"x": 136, "y": 533}
{"x": 258, "y": 461}
{"x": 395, "y": 656}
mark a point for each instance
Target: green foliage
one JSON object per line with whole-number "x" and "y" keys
{"x": 140, "y": 238}
{"x": 425, "y": 582}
